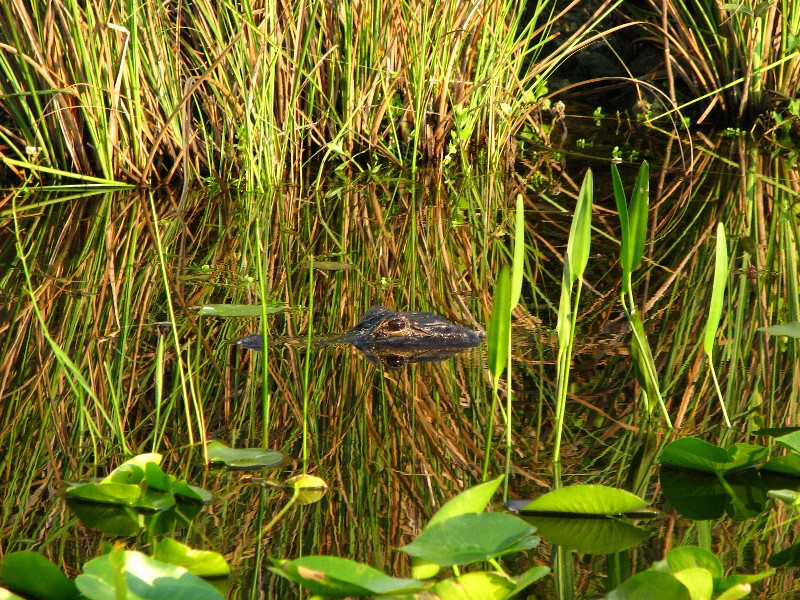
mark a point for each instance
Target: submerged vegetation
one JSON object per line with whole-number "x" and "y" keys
{"x": 638, "y": 396}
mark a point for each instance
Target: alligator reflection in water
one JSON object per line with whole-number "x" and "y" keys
{"x": 395, "y": 339}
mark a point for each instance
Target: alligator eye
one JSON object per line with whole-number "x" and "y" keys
{"x": 395, "y": 325}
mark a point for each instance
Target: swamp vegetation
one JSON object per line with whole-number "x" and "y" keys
{"x": 177, "y": 179}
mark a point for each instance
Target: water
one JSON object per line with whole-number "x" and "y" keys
{"x": 392, "y": 445}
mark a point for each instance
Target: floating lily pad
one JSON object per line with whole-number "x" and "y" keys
{"x": 245, "y": 458}
{"x": 699, "y": 455}
{"x": 143, "y": 577}
{"x": 585, "y": 500}
{"x": 334, "y": 577}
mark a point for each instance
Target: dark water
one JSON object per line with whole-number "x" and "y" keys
{"x": 392, "y": 445}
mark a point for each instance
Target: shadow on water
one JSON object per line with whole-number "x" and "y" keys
{"x": 393, "y": 444}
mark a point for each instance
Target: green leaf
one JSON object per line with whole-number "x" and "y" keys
{"x": 107, "y": 493}
{"x": 651, "y": 584}
{"x": 192, "y": 492}
{"x": 580, "y": 232}
{"x": 472, "y": 538}
{"x": 788, "y": 329}
{"x": 787, "y": 465}
{"x": 132, "y": 471}
{"x": 698, "y": 581}
{"x": 637, "y": 215}
{"x": 335, "y": 577}
{"x": 717, "y": 291}
{"x": 473, "y": 586}
{"x": 31, "y": 574}
{"x": 157, "y": 479}
{"x": 471, "y": 500}
{"x": 245, "y": 458}
{"x": 689, "y": 557}
{"x": 598, "y": 535}
{"x": 586, "y": 500}
{"x": 500, "y": 325}
{"x": 202, "y": 563}
{"x": 235, "y": 310}
{"x": 696, "y": 454}
{"x": 790, "y": 441}
{"x": 139, "y": 576}
{"x": 622, "y": 209}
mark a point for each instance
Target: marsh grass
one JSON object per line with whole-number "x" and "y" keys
{"x": 738, "y": 59}
{"x": 242, "y": 96}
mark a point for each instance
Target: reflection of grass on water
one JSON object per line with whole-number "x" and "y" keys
{"x": 393, "y": 445}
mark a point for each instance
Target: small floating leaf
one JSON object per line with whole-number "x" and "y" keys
{"x": 245, "y": 458}
{"x": 235, "y": 310}
{"x": 484, "y": 585}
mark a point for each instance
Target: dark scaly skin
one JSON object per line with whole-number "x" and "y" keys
{"x": 398, "y": 338}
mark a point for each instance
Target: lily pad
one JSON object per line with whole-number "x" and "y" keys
{"x": 32, "y": 575}
{"x": 594, "y": 535}
{"x": 245, "y": 458}
{"x": 334, "y": 577}
{"x": 699, "y": 455}
{"x": 585, "y": 500}
{"x": 472, "y": 538}
{"x": 129, "y": 574}
{"x": 203, "y": 563}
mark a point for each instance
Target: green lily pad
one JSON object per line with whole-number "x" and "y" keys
{"x": 107, "y": 493}
{"x": 245, "y": 458}
{"x": 472, "y": 538}
{"x": 335, "y": 577}
{"x": 203, "y": 563}
{"x": 699, "y": 455}
{"x": 790, "y": 441}
{"x": 787, "y": 465}
{"x": 133, "y": 470}
{"x": 585, "y": 500}
{"x": 471, "y": 586}
{"x": 132, "y": 575}
{"x": 32, "y": 575}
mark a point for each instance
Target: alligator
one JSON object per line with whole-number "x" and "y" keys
{"x": 395, "y": 339}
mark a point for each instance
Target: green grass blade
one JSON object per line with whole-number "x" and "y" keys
{"x": 519, "y": 253}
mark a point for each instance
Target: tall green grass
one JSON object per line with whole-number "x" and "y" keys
{"x": 737, "y": 59}
{"x": 244, "y": 95}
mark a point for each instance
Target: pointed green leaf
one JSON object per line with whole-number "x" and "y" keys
{"x": 500, "y": 325}
{"x": 580, "y": 233}
{"x": 203, "y": 563}
{"x": 717, "y": 291}
{"x": 637, "y": 215}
